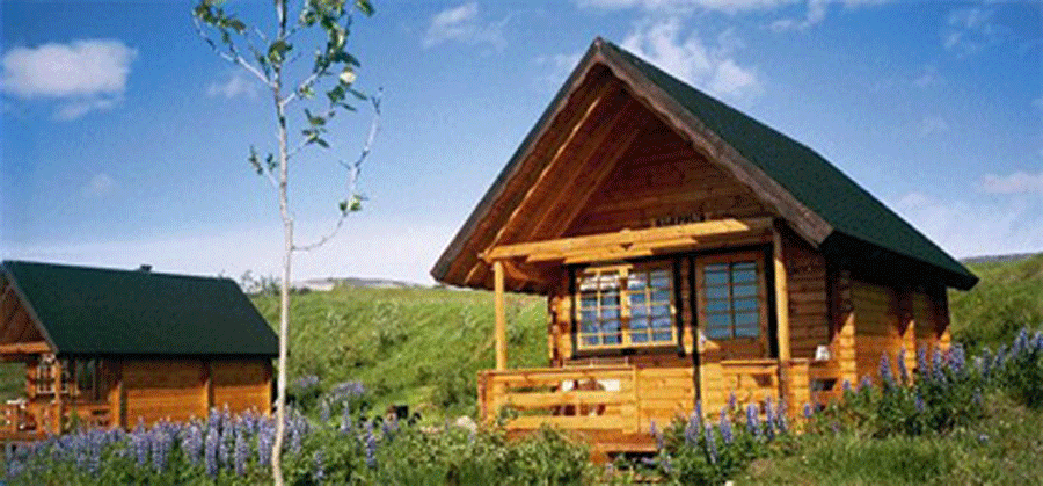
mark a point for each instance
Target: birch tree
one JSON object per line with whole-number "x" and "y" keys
{"x": 271, "y": 56}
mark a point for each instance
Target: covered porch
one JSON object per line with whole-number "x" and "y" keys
{"x": 612, "y": 382}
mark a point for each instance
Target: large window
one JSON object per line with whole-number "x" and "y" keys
{"x": 625, "y": 306}
{"x": 733, "y": 297}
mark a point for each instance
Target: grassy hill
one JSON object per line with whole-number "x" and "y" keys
{"x": 1008, "y": 297}
{"x": 420, "y": 347}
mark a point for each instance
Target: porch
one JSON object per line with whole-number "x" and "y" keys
{"x": 614, "y": 405}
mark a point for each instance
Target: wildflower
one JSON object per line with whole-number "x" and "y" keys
{"x": 141, "y": 447}
{"x": 957, "y": 358}
{"x": 371, "y": 445}
{"x": 1039, "y": 342}
{"x": 807, "y": 411}
{"x": 731, "y": 401}
{"x": 920, "y": 407}
{"x": 320, "y": 469}
{"x": 726, "y": 430}
{"x": 1021, "y": 342}
{"x": 865, "y": 385}
{"x": 903, "y": 372}
{"x": 769, "y": 419}
{"x": 264, "y": 443}
{"x": 886, "y": 379}
{"x": 936, "y": 366}
{"x": 242, "y": 450}
{"x": 751, "y": 420}
{"x": 847, "y": 386}
{"x": 711, "y": 444}
{"x": 346, "y": 425}
{"x": 921, "y": 361}
{"x": 224, "y": 454}
{"x": 324, "y": 411}
{"x": 213, "y": 440}
{"x": 654, "y": 432}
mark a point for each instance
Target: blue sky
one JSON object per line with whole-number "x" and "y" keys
{"x": 124, "y": 138}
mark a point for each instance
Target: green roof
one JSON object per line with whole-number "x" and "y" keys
{"x": 835, "y": 214}
{"x": 810, "y": 178}
{"x": 85, "y": 310}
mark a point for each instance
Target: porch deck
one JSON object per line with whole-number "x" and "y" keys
{"x": 613, "y": 406}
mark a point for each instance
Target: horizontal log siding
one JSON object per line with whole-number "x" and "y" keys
{"x": 662, "y": 176}
{"x": 163, "y": 389}
{"x": 242, "y": 385}
{"x": 808, "y": 304}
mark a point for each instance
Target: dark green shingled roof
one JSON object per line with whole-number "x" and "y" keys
{"x": 812, "y": 180}
{"x": 87, "y": 310}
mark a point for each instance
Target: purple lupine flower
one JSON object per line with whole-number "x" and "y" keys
{"x": 985, "y": 363}
{"x": 731, "y": 401}
{"x": 1039, "y": 341}
{"x": 320, "y": 468}
{"x": 920, "y": 407}
{"x": 936, "y": 365}
{"x": 371, "y": 446}
{"x": 807, "y": 411}
{"x": 691, "y": 432}
{"x": 265, "y": 443}
{"x": 726, "y": 430}
{"x": 698, "y": 413}
{"x": 242, "y": 450}
{"x": 769, "y": 419}
{"x": 158, "y": 440}
{"x": 141, "y": 447}
{"x": 847, "y": 386}
{"x": 903, "y": 371}
{"x": 711, "y": 444}
{"x": 389, "y": 428}
{"x": 865, "y": 385}
{"x": 921, "y": 362}
{"x": 751, "y": 420}
{"x": 324, "y": 411}
{"x": 213, "y": 445}
{"x": 886, "y": 379}
{"x": 224, "y": 451}
{"x": 957, "y": 358}
{"x": 192, "y": 444}
{"x": 654, "y": 432}
{"x": 1021, "y": 342}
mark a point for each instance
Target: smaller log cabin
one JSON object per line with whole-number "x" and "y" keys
{"x": 687, "y": 251}
{"x": 110, "y": 348}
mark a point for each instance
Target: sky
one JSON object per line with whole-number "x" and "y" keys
{"x": 124, "y": 137}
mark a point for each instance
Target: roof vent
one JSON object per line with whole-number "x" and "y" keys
{"x": 145, "y": 268}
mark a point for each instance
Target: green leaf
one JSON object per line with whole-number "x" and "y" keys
{"x": 254, "y": 161}
{"x": 277, "y": 51}
{"x": 321, "y": 142}
{"x": 364, "y": 6}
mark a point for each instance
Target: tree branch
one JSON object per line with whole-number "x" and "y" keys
{"x": 354, "y": 170}
{"x": 232, "y": 55}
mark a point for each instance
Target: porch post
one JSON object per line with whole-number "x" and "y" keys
{"x": 781, "y": 314}
{"x": 501, "y": 318}
{"x": 56, "y": 370}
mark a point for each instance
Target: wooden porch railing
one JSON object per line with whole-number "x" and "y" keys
{"x": 601, "y": 398}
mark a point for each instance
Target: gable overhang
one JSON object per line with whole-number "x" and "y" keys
{"x": 461, "y": 263}
{"x": 48, "y": 345}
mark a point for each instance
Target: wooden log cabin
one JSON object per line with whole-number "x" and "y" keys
{"x": 115, "y": 347}
{"x": 687, "y": 251}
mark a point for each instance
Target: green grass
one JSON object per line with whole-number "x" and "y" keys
{"x": 1008, "y": 297}
{"x": 421, "y": 347}
{"x": 1003, "y": 449}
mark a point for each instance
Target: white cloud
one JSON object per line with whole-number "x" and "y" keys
{"x": 558, "y": 66}
{"x": 930, "y": 77}
{"x": 708, "y": 67}
{"x": 99, "y": 185}
{"x": 364, "y": 248}
{"x": 82, "y": 76}
{"x": 816, "y": 14}
{"x": 932, "y": 125}
{"x": 1011, "y": 226}
{"x": 970, "y": 30}
{"x": 238, "y": 84}
{"x": 464, "y": 24}
{"x": 1016, "y": 183}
